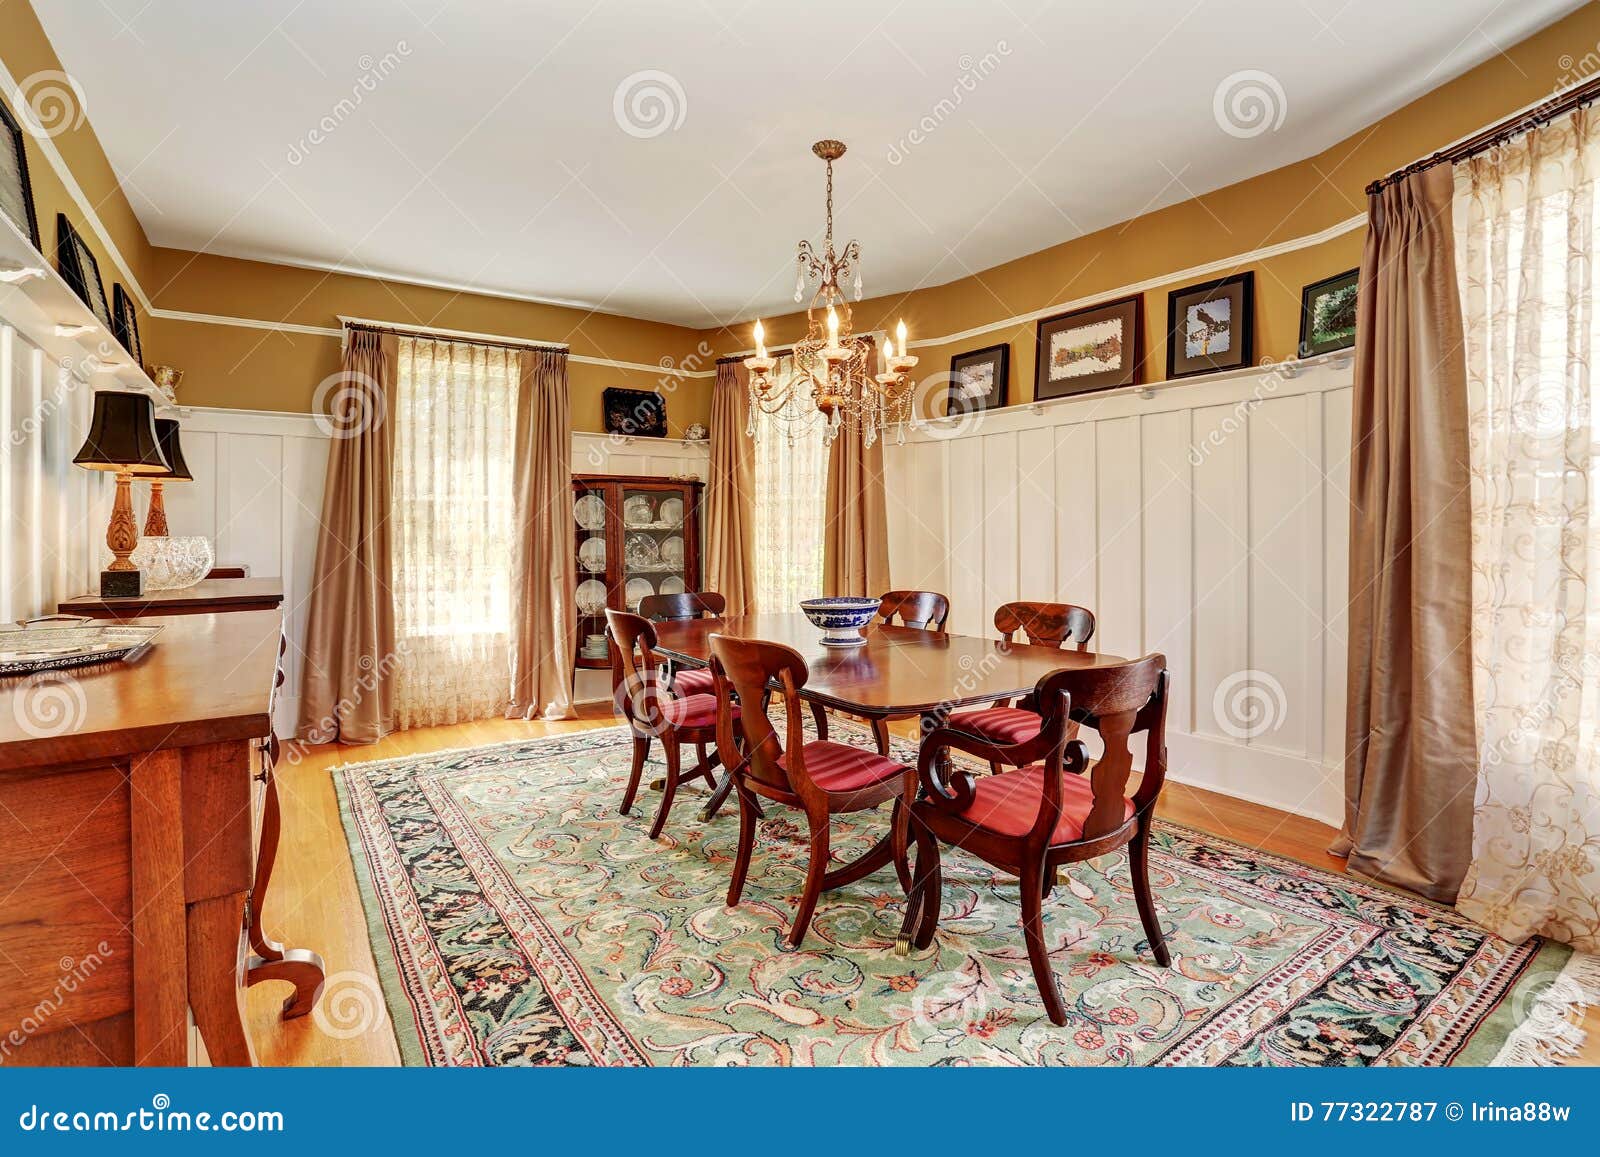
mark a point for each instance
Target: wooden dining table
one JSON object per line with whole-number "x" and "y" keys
{"x": 897, "y": 673}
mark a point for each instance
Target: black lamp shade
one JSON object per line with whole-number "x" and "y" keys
{"x": 122, "y": 435}
{"x": 172, "y": 450}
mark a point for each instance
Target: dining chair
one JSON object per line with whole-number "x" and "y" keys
{"x": 820, "y": 777}
{"x": 646, "y": 700}
{"x": 1044, "y": 625}
{"x": 925, "y": 609}
{"x": 679, "y": 608}
{"x": 1030, "y": 822}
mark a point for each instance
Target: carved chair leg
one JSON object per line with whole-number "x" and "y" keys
{"x": 880, "y": 732}
{"x": 815, "y": 871}
{"x": 670, "y": 788}
{"x": 1033, "y": 933}
{"x": 930, "y": 882}
{"x": 747, "y": 843}
{"x": 1139, "y": 870}
{"x": 900, "y": 837}
{"x": 641, "y": 752}
{"x": 300, "y": 967}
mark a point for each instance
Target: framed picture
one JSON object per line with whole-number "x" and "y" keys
{"x": 81, "y": 271}
{"x": 1328, "y": 314}
{"x": 638, "y": 413}
{"x": 1211, "y": 327}
{"x": 1096, "y": 348}
{"x": 16, "y": 190}
{"x": 978, "y": 380}
{"x": 126, "y": 322}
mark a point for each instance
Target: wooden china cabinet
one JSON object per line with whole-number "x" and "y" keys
{"x": 636, "y": 537}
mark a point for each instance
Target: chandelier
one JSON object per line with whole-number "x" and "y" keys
{"x": 834, "y": 380}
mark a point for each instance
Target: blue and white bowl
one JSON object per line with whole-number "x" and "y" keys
{"x": 841, "y": 618}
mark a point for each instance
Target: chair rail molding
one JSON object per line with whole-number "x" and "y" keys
{"x": 1208, "y": 520}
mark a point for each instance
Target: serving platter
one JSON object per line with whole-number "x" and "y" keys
{"x": 71, "y": 641}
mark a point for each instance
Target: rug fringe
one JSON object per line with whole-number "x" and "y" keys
{"x": 1552, "y": 1032}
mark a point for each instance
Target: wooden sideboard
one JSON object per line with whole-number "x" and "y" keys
{"x": 206, "y": 596}
{"x": 134, "y": 798}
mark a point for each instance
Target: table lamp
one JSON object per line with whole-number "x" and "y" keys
{"x": 122, "y": 437}
{"x": 155, "y": 519}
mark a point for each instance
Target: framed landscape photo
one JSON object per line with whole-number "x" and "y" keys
{"x": 1099, "y": 347}
{"x": 1211, "y": 326}
{"x": 978, "y": 380}
{"x": 16, "y": 190}
{"x": 81, "y": 271}
{"x": 636, "y": 413}
{"x": 126, "y": 323}
{"x": 1328, "y": 314}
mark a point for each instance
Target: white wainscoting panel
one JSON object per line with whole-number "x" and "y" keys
{"x": 52, "y": 513}
{"x": 1207, "y": 520}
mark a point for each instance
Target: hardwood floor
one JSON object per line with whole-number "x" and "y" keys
{"x": 314, "y": 901}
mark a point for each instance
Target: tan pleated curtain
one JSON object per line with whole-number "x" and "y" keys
{"x": 730, "y": 507}
{"x": 346, "y": 686}
{"x": 855, "y": 539}
{"x": 1410, "y": 750}
{"x": 544, "y": 618}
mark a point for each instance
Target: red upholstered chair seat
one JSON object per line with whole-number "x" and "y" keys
{"x": 839, "y": 767}
{"x": 1009, "y": 803}
{"x": 692, "y": 681}
{"x": 1004, "y": 725}
{"x": 692, "y": 711}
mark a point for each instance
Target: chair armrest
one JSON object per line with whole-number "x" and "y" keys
{"x": 956, "y": 795}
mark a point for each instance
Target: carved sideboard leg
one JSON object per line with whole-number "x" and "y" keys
{"x": 217, "y": 998}
{"x": 272, "y": 961}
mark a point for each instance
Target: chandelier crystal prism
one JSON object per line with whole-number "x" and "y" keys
{"x": 836, "y": 379}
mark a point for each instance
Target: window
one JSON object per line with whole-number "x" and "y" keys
{"x": 791, "y": 493}
{"x": 455, "y": 422}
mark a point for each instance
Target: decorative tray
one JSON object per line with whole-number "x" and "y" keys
{"x": 69, "y": 641}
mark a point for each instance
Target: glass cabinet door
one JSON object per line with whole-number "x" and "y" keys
{"x": 590, "y": 512}
{"x": 656, "y": 542}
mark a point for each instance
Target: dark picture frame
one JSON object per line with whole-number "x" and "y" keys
{"x": 1232, "y": 317}
{"x": 81, "y": 271}
{"x": 16, "y": 187}
{"x": 1098, "y": 327}
{"x": 634, "y": 413}
{"x": 1335, "y": 298}
{"x": 993, "y": 362}
{"x": 125, "y": 323}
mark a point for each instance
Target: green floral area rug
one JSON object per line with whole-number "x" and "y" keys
{"x": 518, "y": 919}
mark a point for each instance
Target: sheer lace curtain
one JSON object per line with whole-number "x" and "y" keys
{"x": 1527, "y": 232}
{"x": 791, "y": 484}
{"x": 453, "y": 499}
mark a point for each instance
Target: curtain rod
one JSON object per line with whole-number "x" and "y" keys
{"x": 456, "y": 335}
{"x": 1578, "y": 96}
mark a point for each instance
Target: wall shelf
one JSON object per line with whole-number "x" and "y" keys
{"x": 36, "y": 306}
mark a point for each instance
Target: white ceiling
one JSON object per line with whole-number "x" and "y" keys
{"x": 479, "y": 144}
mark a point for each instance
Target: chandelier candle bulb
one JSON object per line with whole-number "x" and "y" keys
{"x": 761, "y": 345}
